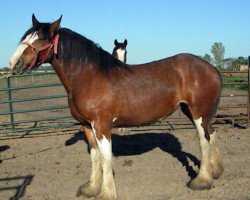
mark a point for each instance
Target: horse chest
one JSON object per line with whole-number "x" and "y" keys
{"x": 73, "y": 109}
{"x": 85, "y": 107}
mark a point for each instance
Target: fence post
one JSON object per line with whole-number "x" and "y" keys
{"x": 248, "y": 102}
{"x": 10, "y": 104}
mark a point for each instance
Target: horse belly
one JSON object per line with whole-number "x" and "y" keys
{"x": 145, "y": 109}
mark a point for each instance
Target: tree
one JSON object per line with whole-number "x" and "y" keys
{"x": 5, "y": 69}
{"x": 232, "y": 64}
{"x": 235, "y": 63}
{"x": 208, "y": 58}
{"x": 242, "y": 60}
{"x": 218, "y": 51}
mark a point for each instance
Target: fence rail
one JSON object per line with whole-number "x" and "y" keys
{"x": 8, "y": 101}
{"x": 10, "y": 97}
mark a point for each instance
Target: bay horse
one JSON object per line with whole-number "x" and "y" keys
{"x": 120, "y": 51}
{"x": 104, "y": 92}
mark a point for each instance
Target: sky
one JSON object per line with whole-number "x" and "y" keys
{"x": 155, "y": 29}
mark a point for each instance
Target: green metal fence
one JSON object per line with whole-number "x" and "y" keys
{"x": 33, "y": 110}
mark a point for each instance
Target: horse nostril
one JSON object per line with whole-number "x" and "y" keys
{"x": 19, "y": 63}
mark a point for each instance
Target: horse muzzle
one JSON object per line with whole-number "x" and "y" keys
{"x": 19, "y": 67}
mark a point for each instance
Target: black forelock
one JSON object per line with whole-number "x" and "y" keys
{"x": 44, "y": 27}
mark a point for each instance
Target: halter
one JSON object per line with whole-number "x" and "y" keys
{"x": 49, "y": 46}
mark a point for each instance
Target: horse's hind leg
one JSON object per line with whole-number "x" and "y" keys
{"x": 93, "y": 187}
{"x": 210, "y": 166}
{"x": 186, "y": 111}
{"x": 203, "y": 179}
{"x": 214, "y": 155}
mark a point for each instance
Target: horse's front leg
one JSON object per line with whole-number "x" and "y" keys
{"x": 102, "y": 132}
{"x": 93, "y": 187}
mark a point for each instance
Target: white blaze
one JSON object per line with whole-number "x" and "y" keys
{"x": 121, "y": 54}
{"x": 20, "y": 49}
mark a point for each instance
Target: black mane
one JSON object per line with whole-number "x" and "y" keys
{"x": 75, "y": 48}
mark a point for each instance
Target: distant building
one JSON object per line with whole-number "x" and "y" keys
{"x": 243, "y": 68}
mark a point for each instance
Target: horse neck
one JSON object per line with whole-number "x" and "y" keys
{"x": 62, "y": 73}
{"x": 72, "y": 72}
{"x": 71, "y": 76}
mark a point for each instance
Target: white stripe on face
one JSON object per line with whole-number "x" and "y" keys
{"x": 20, "y": 49}
{"x": 121, "y": 54}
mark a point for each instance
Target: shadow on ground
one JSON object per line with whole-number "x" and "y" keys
{"x": 18, "y": 189}
{"x": 4, "y": 148}
{"x": 136, "y": 144}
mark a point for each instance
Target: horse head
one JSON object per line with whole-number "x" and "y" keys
{"x": 120, "y": 51}
{"x": 36, "y": 46}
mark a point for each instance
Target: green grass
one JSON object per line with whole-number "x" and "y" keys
{"x": 239, "y": 79}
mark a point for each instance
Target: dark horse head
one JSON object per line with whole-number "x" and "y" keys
{"x": 36, "y": 46}
{"x": 120, "y": 51}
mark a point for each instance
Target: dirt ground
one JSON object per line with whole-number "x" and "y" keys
{"x": 149, "y": 164}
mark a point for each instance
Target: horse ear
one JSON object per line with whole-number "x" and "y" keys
{"x": 125, "y": 42}
{"x": 34, "y": 20}
{"x": 54, "y": 27}
{"x": 116, "y": 43}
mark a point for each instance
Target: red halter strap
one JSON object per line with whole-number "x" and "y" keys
{"x": 47, "y": 47}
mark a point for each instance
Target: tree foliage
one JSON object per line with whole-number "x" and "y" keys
{"x": 235, "y": 63}
{"x": 5, "y": 69}
{"x": 208, "y": 58}
{"x": 218, "y": 51}
{"x": 242, "y": 61}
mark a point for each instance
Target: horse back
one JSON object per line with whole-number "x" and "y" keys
{"x": 155, "y": 89}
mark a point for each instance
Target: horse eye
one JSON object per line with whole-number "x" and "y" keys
{"x": 41, "y": 38}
